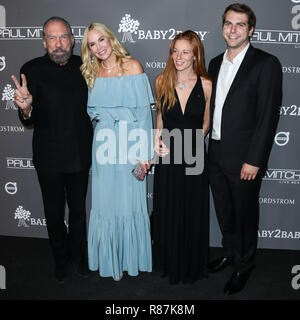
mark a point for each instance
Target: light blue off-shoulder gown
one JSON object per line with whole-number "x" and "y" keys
{"x": 119, "y": 228}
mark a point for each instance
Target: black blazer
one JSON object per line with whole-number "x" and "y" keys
{"x": 62, "y": 136}
{"x": 251, "y": 109}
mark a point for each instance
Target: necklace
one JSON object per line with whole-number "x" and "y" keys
{"x": 109, "y": 69}
{"x": 182, "y": 85}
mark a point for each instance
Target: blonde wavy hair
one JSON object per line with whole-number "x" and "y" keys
{"x": 166, "y": 95}
{"x": 90, "y": 67}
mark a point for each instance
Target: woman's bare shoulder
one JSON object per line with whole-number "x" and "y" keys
{"x": 132, "y": 66}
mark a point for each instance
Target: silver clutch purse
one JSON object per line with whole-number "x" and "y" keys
{"x": 138, "y": 171}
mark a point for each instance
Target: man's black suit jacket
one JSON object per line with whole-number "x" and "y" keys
{"x": 62, "y": 136}
{"x": 251, "y": 110}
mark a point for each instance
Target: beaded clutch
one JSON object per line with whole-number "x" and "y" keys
{"x": 138, "y": 171}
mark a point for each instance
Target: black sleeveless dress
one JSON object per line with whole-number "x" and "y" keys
{"x": 180, "y": 221}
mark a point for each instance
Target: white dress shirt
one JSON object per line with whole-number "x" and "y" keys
{"x": 227, "y": 73}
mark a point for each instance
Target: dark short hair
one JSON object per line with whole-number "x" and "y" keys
{"x": 57, "y": 19}
{"x": 242, "y": 8}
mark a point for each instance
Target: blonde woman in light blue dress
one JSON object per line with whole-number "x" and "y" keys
{"x": 119, "y": 101}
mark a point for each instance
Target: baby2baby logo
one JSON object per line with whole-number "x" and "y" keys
{"x": 25, "y": 220}
{"x": 130, "y": 29}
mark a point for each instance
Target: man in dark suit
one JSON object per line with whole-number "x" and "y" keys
{"x": 52, "y": 98}
{"x": 244, "y": 114}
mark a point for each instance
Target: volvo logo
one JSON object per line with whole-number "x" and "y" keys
{"x": 2, "y": 63}
{"x": 282, "y": 138}
{"x": 11, "y": 187}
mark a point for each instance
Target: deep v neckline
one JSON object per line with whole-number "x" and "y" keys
{"x": 183, "y": 112}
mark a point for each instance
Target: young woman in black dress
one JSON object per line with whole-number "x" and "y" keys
{"x": 181, "y": 200}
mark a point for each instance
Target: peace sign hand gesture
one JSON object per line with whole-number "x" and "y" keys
{"x": 22, "y": 97}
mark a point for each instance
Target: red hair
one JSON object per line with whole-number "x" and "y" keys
{"x": 165, "y": 95}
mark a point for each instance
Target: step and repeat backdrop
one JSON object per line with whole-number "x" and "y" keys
{"x": 146, "y": 28}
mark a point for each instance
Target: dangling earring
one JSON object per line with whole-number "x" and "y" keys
{"x": 92, "y": 60}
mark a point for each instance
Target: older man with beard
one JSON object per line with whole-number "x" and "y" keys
{"x": 52, "y": 97}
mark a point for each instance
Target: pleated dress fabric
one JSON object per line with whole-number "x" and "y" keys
{"x": 119, "y": 228}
